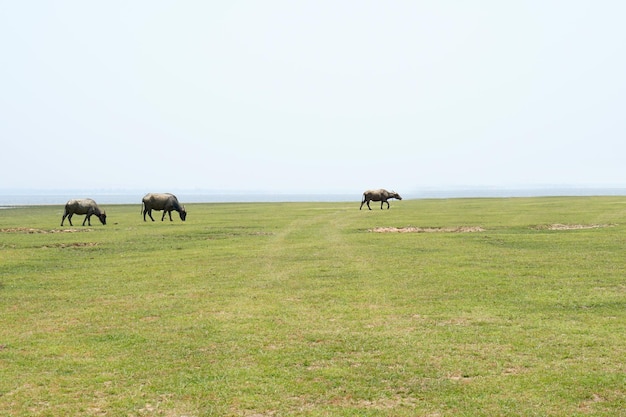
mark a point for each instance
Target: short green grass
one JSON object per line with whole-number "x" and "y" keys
{"x": 280, "y": 309}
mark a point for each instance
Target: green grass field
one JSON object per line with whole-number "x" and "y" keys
{"x": 298, "y": 309}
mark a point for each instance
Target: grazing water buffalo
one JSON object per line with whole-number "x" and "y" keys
{"x": 83, "y": 206}
{"x": 166, "y": 202}
{"x": 378, "y": 195}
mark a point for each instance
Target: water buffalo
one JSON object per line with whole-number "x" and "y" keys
{"x": 83, "y": 206}
{"x": 378, "y": 195}
{"x": 166, "y": 202}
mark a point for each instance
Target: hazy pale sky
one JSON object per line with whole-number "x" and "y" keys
{"x": 311, "y": 95}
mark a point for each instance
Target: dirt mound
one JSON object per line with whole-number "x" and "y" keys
{"x": 32, "y": 231}
{"x": 72, "y": 245}
{"x": 558, "y": 226}
{"x": 411, "y": 229}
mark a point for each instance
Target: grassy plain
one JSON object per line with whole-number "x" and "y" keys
{"x": 297, "y": 309}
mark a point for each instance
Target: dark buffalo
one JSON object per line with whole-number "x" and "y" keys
{"x": 83, "y": 206}
{"x": 378, "y": 195}
{"x": 166, "y": 202}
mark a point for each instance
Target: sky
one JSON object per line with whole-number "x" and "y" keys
{"x": 311, "y": 96}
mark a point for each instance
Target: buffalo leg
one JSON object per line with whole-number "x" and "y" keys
{"x": 149, "y": 213}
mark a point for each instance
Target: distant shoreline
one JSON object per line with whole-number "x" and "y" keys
{"x": 59, "y": 197}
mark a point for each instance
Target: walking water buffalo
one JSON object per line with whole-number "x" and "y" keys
{"x": 83, "y": 206}
{"x": 378, "y": 195}
{"x": 166, "y": 202}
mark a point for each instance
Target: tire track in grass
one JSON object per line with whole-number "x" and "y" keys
{"x": 313, "y": 246}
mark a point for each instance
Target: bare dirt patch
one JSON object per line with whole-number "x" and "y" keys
{"x": 558, "y": 226}
{"x": 395, "y": 401}
{"x": 411, "y": 229}
{"x": 30, "y": 230}
{"x": 71, "y": 245}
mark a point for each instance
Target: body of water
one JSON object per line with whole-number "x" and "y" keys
{"x": 130, "y": 198}
{"x": 29, "y": 198}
